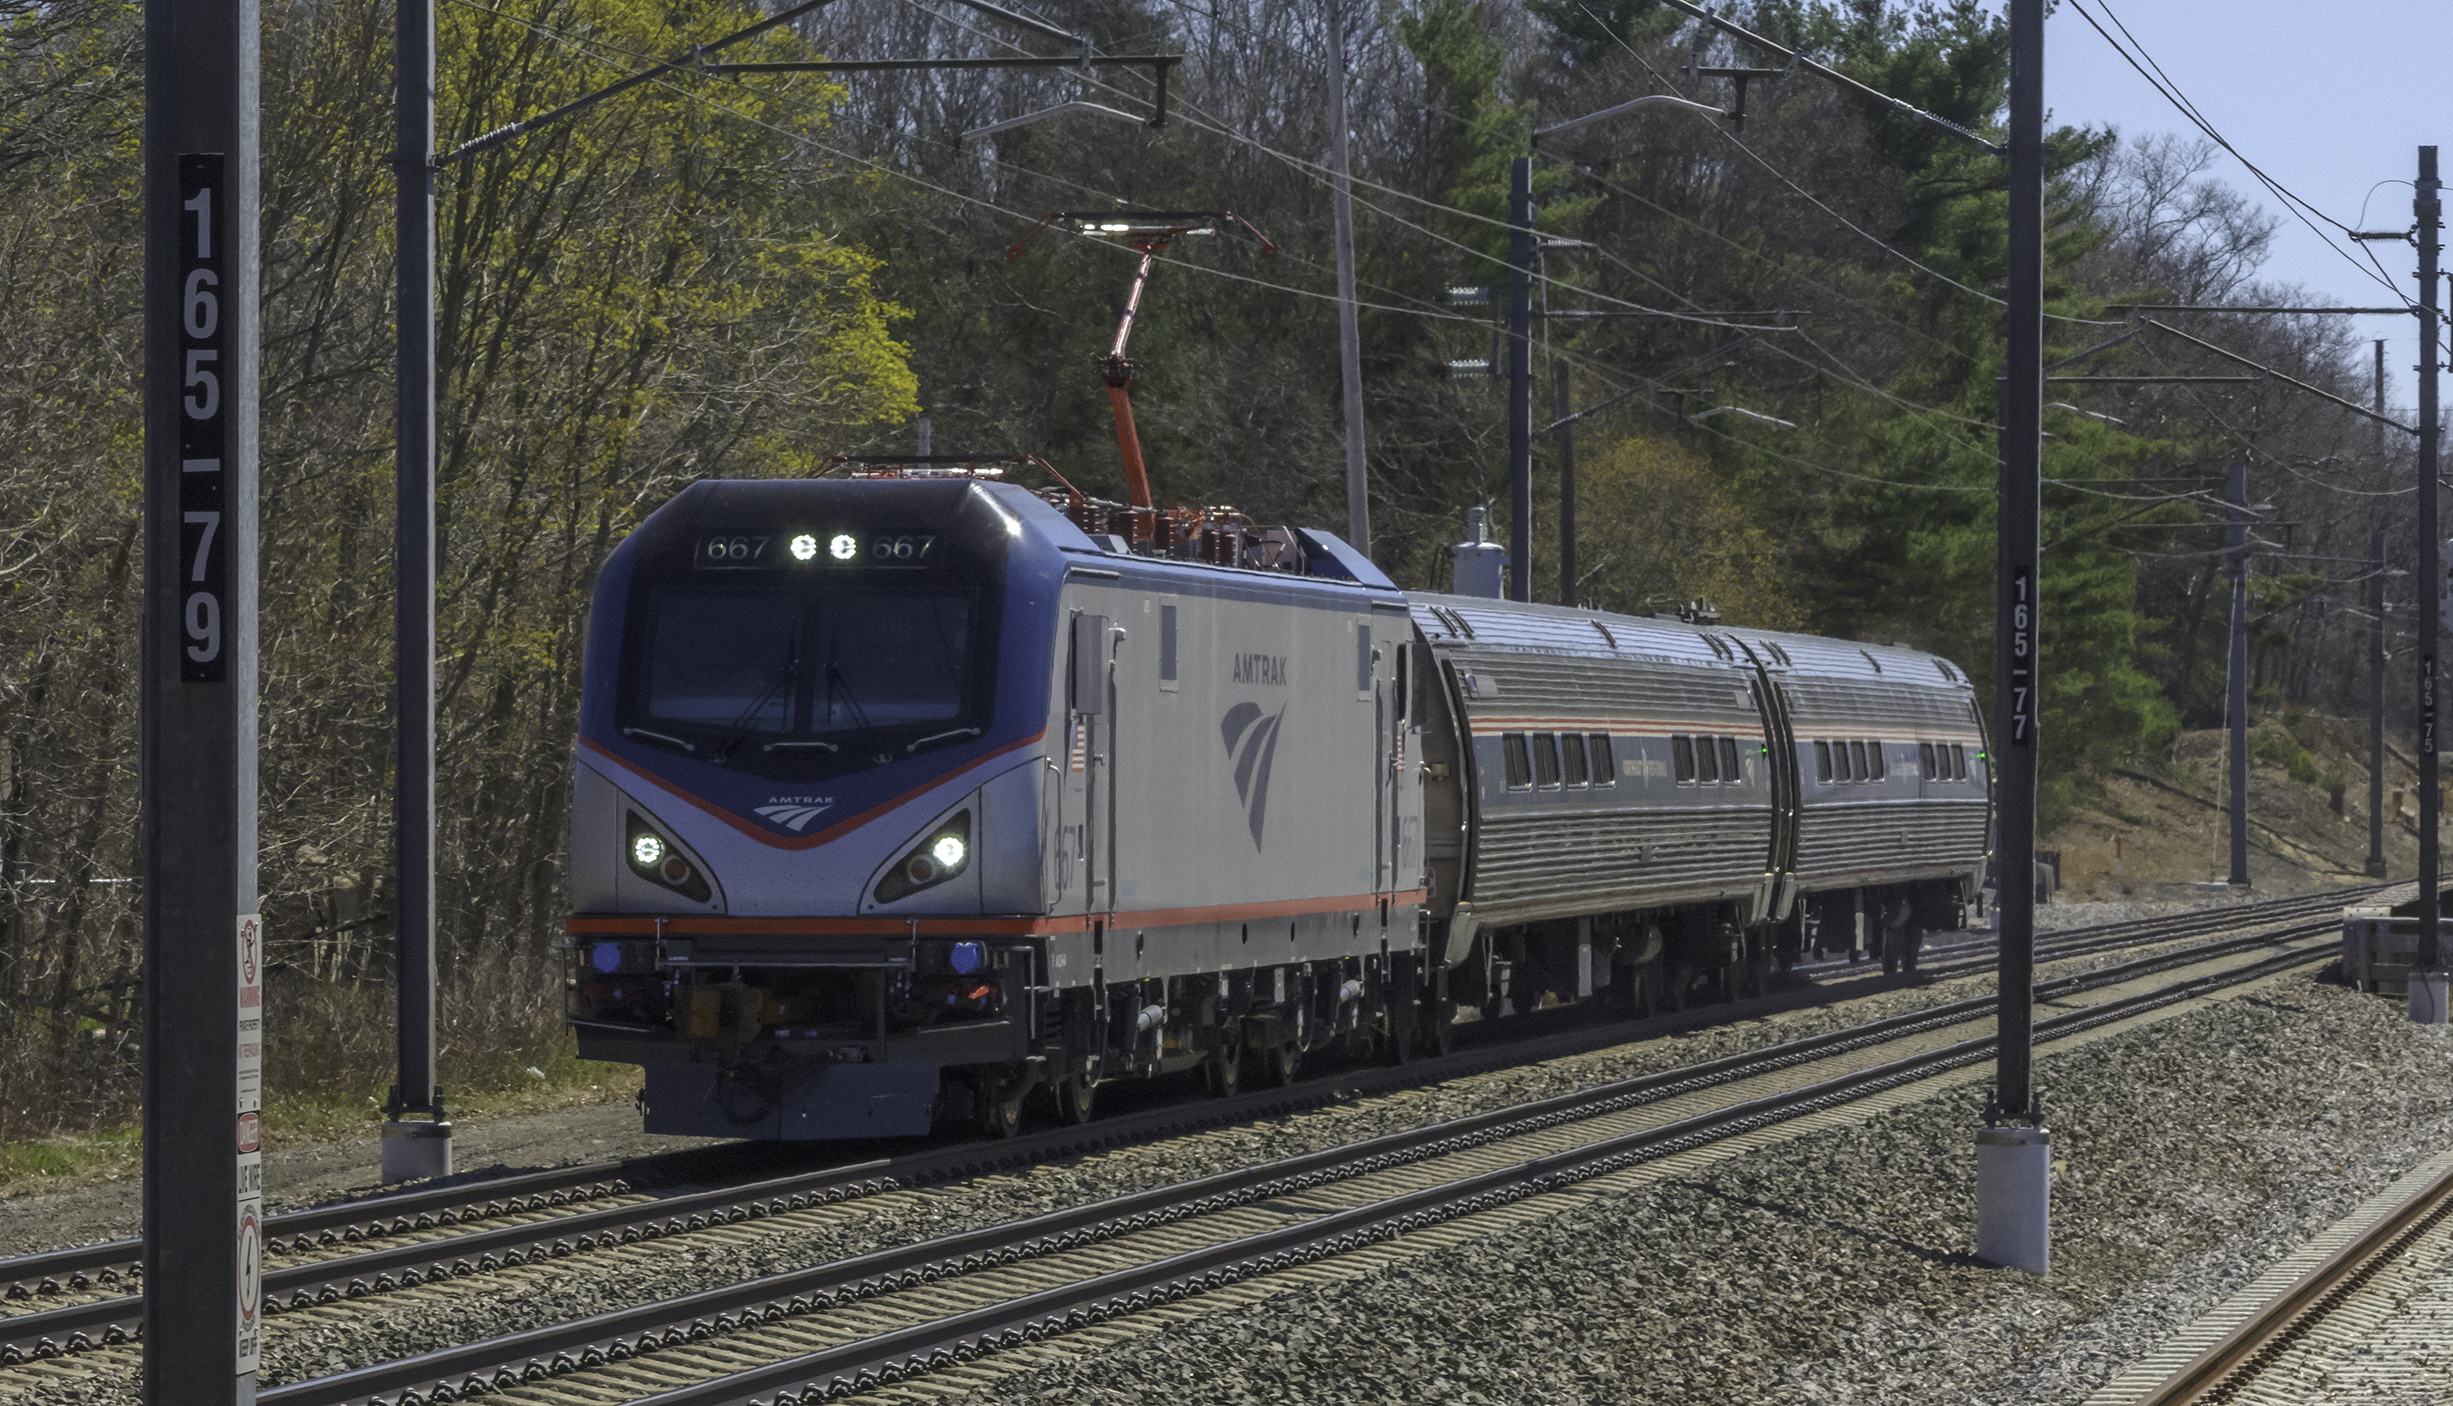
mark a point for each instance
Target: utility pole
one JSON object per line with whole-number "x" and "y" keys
{"x": 1567, "y": 483}
{"x": 2376, "y": 658}
{"x": 420, "y": 1147}
{"x": 204, "y": 953}
{"x": 2236, "y": 697}
{"x": 2427, "y": 979}
{"x": 2013, "y": 1150}
{"x": 1349, "y": 337}
{"x": 1520, "y": 379}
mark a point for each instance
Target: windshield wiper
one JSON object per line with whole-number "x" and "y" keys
{"x": 940, "y": 737}
{"x": 741, "y": 725}
{"x": 834, "y": 678}
{"x": 646, "y": 736}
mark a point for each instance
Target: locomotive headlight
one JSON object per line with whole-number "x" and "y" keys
{"x": 658, "y": 860}
{"x": 844, "y": 547}
{"x": 943, "y": 852}
{"x": 804, "y": 547}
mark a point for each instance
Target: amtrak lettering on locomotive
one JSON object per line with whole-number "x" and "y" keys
{"x": 905, "y": 796}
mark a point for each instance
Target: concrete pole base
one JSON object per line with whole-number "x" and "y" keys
{"x": 2427, "y": 998}
{"x": 2014, "y": 1213}
{"x": 416, "y": 1151}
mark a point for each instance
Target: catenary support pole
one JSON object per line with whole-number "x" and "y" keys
{"x": 2236, "y": 680}
{"x": 203, "y": 1051}
{"x": 2427, "y": 983}
{"x": 419, "y": 1146}
{"x": 2376, "y": 702}
{"x": 1567, "y": 483}
{"x": 2376, "y": 656}
{"x": 1349, "y": 335}
{"x": 1520, "y": 379}
{"x": 2013, "y": 1150}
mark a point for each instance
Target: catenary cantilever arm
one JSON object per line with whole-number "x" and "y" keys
{"x": 1608, "y": 112}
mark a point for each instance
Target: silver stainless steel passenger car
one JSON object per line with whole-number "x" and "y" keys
{"x": 900, "y": 798}
{"x": 1639, "y": 802}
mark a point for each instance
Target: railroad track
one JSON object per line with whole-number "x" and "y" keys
{"x": 839, "y": 1329}
{"x": 375, "y": 1246}
{"x": 1974, "y": 951}
{"x": 2338, "y": 1298}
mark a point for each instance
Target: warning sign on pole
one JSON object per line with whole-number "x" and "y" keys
{"x": 249, "y": 1144}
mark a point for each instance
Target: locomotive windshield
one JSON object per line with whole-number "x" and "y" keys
{"x": 805, "y": 677}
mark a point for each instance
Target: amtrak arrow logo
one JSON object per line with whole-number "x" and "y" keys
{"x": 794, "y": 818}
{"x": 1252, "y": 741}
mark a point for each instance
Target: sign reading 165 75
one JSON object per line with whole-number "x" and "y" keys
{"x": 204, "y": 252}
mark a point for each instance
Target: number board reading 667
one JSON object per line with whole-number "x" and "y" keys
{"x": 204, "y": 250}
{"x": 833, "y": 548}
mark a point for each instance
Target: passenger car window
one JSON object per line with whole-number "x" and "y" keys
{"x": 1571, "y": 758}
{"x": 1682, "y": 757}
{"x": 1730, "y": 770}
{"x": 1873, "y": 754}
{"x": 1545, "y": 759}
{"x": 1958, "y": 762}
{"x": 1822, "y": 761}
{"x": 1605, "y": 764}
{"x": 1707, "y": 760}
{"x": 1856, "y": 760}
{"x": 1520, "y": 771}
{"x": 1924, "y": 754}
{"x": 1839, "y": 763}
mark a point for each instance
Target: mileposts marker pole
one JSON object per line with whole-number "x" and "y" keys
{"x": 2427, "y": 978}
{"x": 203, "y": 1191}
{"x": 2013, "y": 1150}
{"x": 414, "y": 1148}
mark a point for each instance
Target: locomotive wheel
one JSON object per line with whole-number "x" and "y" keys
{"x": 1285, "y": 1064}
{"x": 1000, "y": 1105}
{"x": 1077, "y": 1097}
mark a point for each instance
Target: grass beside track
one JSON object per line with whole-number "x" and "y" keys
{"x": 36, "y": 1166}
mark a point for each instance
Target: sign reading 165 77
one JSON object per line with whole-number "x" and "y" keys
{"x": 204, "y": 252}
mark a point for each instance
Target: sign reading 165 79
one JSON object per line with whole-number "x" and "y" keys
{"x": 204, "y": 252}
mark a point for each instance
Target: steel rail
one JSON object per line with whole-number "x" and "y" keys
{"x": 892, "y": 1356}
{"x": 2306, "y": 1301}
{"x": 2132, "y": 931}
{"x": 79, "y": 1327}
{"x": 78, "y": 1267}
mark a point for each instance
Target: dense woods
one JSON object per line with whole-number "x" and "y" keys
{"x": 1794, "y": 323}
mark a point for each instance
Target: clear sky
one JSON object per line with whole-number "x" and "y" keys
{"x": 2328, "y": 99}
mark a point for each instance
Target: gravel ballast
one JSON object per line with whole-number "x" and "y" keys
{"x": 2189, "y": 1154}
{"x": 419, "y": 1321}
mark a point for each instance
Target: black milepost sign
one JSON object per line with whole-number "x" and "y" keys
{"x": 204, "y": 253}
{"x": 2022, "y": 656}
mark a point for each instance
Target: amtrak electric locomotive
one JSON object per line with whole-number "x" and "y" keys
{"x": 901, "y": 797}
